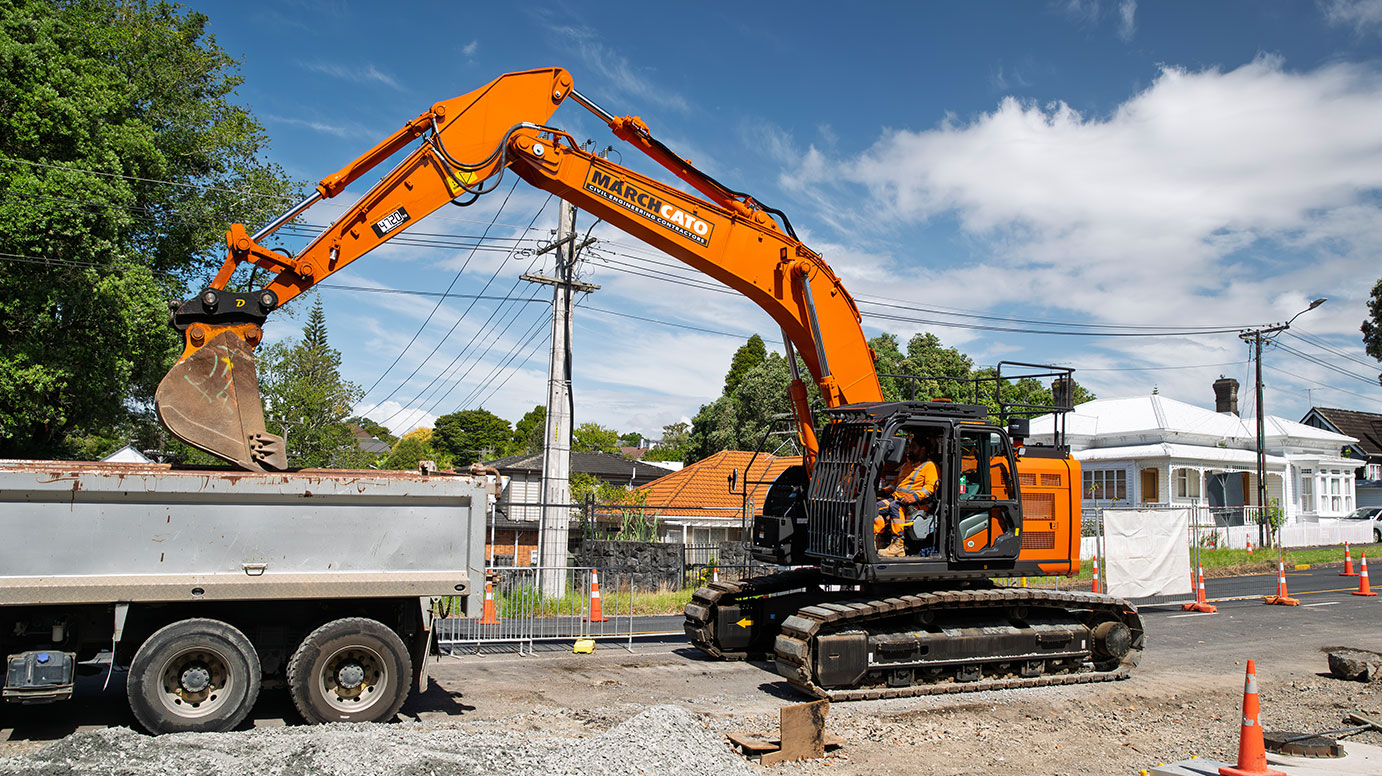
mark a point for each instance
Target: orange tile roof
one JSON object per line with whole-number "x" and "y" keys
{"x": 701, "y": 489}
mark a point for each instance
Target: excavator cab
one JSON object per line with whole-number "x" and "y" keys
{"x": 973, "y": 518}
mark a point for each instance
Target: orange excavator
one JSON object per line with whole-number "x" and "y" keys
{"x": 854, "y": 619}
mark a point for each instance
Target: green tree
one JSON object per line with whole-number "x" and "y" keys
{"x": 594, "y": 438}
{"x": 1372, "y": 325}
{"x": 748, "y": 356}
{"x": 740, "y": 421}
{"x": 630, "y": 439}
{"x": 406, "y": 453}
{"x": 414, "y": 446}
{"x": 471, "y": 435}
{"x": 123, "y": 161}
{"x": 529, "y": 431}
{"x": 673, "y": 445}
{"x": 304, "y": 394}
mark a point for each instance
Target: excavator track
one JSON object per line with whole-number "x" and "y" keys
{"x": 796, "y": 644}
{"x": 701, "y": 623}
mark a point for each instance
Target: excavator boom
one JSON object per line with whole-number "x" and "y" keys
{"x": 210, "y": 397}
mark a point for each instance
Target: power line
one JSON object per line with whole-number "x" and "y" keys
{"x": 202, "y": 186}
{"x": 430, "y": 315}
{"x": 1317, "y": 382}
{"x": 677, "y": 325}
{"x": 533, "y": 339}
{"x": 1321, "y": 362}
{"x": 1150, "y": 368}
{"x": 411, "y": 292}
{"x": 512, "y": 289}
{"x": 1319, "y": 343}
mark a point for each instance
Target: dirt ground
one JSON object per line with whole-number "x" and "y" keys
{"x": 1164, "y": 713}
{"x": 1183, "y": 700}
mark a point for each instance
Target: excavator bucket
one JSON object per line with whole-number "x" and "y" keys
{"x": 210, "y": 400}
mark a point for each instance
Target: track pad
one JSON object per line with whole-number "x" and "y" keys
{"x": 211, "y": 401}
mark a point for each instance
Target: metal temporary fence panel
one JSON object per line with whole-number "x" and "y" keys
{"x": 1146, "y": 552}
{"x": 522, "y": 615}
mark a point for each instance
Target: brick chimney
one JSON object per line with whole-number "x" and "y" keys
{"x": 1226, "y": 395}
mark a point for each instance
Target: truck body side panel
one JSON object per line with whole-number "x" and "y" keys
{"x": 97, "y": 533}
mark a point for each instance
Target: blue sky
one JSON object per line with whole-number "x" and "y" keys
{"x": 1117, "y": 164}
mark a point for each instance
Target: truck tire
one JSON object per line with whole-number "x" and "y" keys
{"x": 350, "y": 670}
{"x": 193, "y": 676}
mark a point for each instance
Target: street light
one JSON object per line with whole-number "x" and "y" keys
{"x": 1256, "y": 336}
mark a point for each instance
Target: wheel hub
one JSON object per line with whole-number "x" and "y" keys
{"x": 195, "y": 678}
{"x": 350, "y": 676}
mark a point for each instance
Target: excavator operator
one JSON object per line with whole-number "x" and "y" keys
{"x": 914, "y": 485}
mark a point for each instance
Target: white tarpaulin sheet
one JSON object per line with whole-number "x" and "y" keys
{"x": 1147, "y": 552}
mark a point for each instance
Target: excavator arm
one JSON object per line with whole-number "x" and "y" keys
{"x": 210, "y": 397}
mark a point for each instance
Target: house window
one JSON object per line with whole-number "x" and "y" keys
{"x": 1187, "y": 483}
{"x": 1307, "y": 490}
{"x": 1106, "y": 484}
{"x": 1374, "y": 471}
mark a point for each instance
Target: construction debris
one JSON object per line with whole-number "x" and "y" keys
{"x": 801, "y": 736}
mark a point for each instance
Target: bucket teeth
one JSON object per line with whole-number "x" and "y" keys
{"x": 210, "y": 400}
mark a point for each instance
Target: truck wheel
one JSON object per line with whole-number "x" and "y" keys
{"x": 193, "y": 676}
{"x": 350, "y": 670}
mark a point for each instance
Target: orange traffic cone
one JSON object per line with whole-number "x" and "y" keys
{"x": 1363, "y": 587}
{"x": 1096, "y": 588}
{"x": 714, "y": 573}
{"x": 1252, "y": 753}
{"x": 1249, "y": 547}
{"x": 1281, "y": 598}
{"x": 1348, "y": 564}
{"x": 1201, "y": 603}
{"x": 488, "y": 616}
{"x": 597, "y": 612}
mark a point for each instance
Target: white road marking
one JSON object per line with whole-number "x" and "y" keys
{"x": 1322, "y": 603}
{"x": 1192, "y": 614}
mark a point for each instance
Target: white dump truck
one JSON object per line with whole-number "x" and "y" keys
{"x": 208, "y": 584}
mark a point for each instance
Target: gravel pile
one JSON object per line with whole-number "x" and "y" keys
{"x": 663, "y": 739}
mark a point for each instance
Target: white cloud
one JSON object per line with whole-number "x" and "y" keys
{"x": 1090, "y": 13}
{"x": 470, "y": 49}
{"x": 1127, "y": 10}
{"x": 1210, "y": 197}
{"x": 362, "y": 74}
{"x": 397, "y": 418}
{"x": 348, "y": 130}
{"x": 614, "y": 66}
{"x": 1363, "y": 16}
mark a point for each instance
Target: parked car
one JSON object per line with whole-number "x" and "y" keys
{"x": 1371, "y": 514}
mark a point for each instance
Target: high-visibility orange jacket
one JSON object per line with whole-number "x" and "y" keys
{"x": 916, "y": 481}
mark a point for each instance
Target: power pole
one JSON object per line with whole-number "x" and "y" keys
{"x": 554, "y": 526}
{"x": 1263, "y": 535}
{"x": 1256, "y": 336}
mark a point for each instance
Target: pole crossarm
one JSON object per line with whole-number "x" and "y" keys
{"x": 548, "y": 248}
{"x": 546, "y": 281}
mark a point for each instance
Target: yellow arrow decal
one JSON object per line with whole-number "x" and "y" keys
{"x": 745, "y": 623}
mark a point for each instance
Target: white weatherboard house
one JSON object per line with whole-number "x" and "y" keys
{"x": 1153, "y": 450}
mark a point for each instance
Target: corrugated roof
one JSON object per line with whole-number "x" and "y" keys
{"x": 701, "y": 489}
